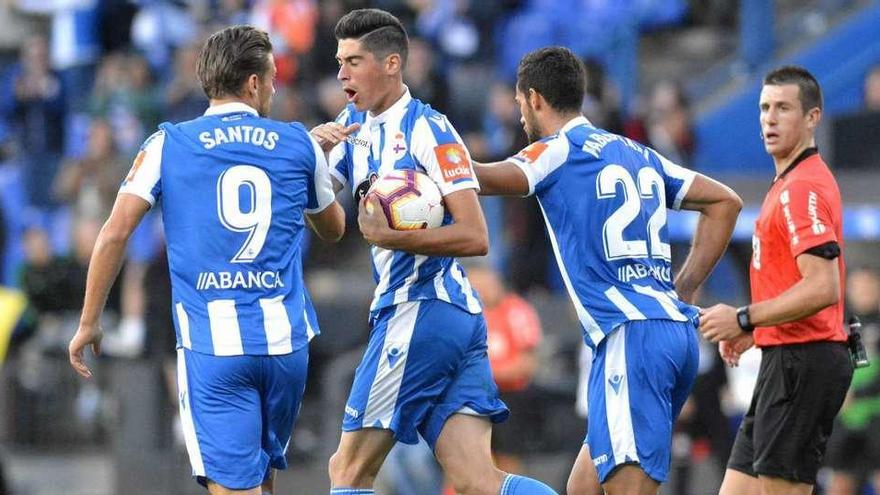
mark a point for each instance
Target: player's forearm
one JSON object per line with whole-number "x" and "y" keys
{"x": 712, "y": 235}
{"x": 449, "y": 240}
{"x": 104, "y": 267}
{"x": 805, "y": 298}
{"x": 500, "y": 178}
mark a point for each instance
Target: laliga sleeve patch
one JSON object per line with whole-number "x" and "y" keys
{"x": 454, "y": 162}
{"x": 532, "y": 152}
{"x": 138, "y": 160}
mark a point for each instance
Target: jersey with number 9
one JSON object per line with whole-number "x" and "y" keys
{"x": 234, "y": 189}
{"x": 606, "y": 197}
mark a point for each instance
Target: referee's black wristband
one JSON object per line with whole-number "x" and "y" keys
{"x": 744, "y": 320}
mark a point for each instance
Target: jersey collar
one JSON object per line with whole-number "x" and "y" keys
{"x": 797, "y": 161}
{"x": 579, "y": 120}
{"x": 394, "y": 109}
{"x": 231, "y": 107}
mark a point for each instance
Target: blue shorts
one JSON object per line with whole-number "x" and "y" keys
{"x": 426, "y": 360}
{"x": 642, "y": 373}
{"x": 237, "y": 413}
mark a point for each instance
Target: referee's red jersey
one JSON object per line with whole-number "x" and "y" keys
{"x": 802, "y": 210}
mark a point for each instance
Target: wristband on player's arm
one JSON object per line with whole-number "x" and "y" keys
{"x": 744, "y": 320}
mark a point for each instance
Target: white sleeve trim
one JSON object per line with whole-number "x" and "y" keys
{"x": 540, "y": 159}
{"x": 336, "y": 155}
{"x": 424, "y": 147}
{"x": 526, "y": 169}
{"x": 678, "y": 172}
{"x": 147, "y": 169}
{"x": 323, "y": 185}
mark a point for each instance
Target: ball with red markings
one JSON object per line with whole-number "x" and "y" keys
{"x": 409, "y": 199}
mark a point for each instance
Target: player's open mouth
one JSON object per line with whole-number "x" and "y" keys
{"x": 770, "y": 136}
{"x": 350, "y": 94}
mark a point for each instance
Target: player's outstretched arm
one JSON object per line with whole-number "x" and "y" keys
{"x": 329, "y": 223}
{"x": 818, "y": 288}
{"x": 467, "y": 236}
{"x": 104, "y": 266}
{"x": 501, "y": 178}
{"x": 719, "y": 207}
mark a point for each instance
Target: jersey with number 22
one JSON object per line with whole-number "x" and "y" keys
{"x": 604, "y": 198}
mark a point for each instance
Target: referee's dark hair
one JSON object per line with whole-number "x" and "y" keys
{"x": 229, "y": 57}
{"x": 810, "y": 93}
{"x": 557, "y": 74}
{"x": 379, "y": 32}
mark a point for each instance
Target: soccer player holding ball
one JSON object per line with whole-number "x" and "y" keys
{"x": 604, "y": 199}
{"x": 425, "y": 370}
{"x": 236, "y": 191}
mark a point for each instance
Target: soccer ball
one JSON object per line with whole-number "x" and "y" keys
{"x": 410, "y": 200}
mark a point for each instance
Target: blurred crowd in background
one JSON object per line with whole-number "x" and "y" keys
{"x": 84, "y": 82}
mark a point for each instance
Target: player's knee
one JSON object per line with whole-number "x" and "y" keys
{"x": 347, "y": 471}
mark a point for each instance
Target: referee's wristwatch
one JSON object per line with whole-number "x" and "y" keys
{"x": 744, "y": 320}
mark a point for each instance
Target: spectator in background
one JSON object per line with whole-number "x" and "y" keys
{"x": 89, "y": 184}
{"x": 36, "y": 108}
{"x": 75, "y": 46}
{"x": 422, "y": 77}
{"x": 184, "y": 99}
{"x": 124, "y": 94}
{"x": 852, "y": 130}
{"x": 602, "y": 102}
{"x": 159, "y": 27}
{"x": 48, "y": 281}
{"x": 331, "y": 101}
{"x": 291, "y": 25}
{"x": 514, "y": 333}
{"x": 854, "y": 446}
{"x": 669, "y": 123}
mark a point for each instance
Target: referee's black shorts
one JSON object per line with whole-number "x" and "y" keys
{"x": 799, "y": 391}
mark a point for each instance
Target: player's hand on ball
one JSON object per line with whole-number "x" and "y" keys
{"x": 84, "y": 336}
{"x": 330, "y": 134}
{"x": 372, "y": 221}
{"x": 719, "y": 323}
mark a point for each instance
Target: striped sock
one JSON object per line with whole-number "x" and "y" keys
{"x": 520, "y": 485}
{"x": 352, "y": 491}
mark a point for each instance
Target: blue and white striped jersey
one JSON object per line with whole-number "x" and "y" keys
{"x": 408, "y": 135}
{"x": 234, "y": 189}
{"x": 604, "y": 198}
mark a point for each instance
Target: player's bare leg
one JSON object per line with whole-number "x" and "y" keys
{"x": 583, "y": 480}
{"x": 358, "y": 458}
{"x": 739, "y": 483}
{"x": 215, "y": 489}
{"x": 268, "y": 486}
{"x": 630, "y": 479}
{"x": 464, "y": 451}
{"x": 779, "y": 486}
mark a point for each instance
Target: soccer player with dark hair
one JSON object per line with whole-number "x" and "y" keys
{"x": 797, "y": 274}
{"x": 426, "y": 369}
{"x": 604, "y": 198}
{"x": 237, "y": 189}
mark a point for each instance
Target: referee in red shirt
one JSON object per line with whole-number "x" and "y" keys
{"x": 796, "y": 315}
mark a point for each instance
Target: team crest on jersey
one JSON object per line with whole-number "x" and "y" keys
{"x": 361, "y": 190}
{"x": 532, "y": 152}
{"x": 454, "y": 162}
{"x": 399, "y": 146}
